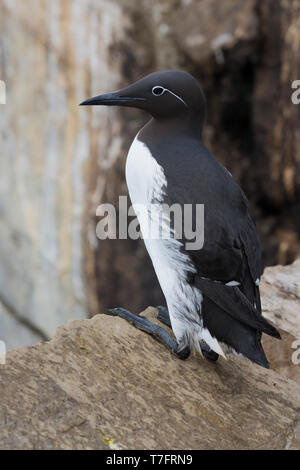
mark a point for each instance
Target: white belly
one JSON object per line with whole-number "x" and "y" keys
{"x": 147, "y": 185}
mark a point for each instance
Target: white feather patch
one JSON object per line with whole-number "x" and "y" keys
{"x": 212, "y": 342}
{"x": 233, "y": 284}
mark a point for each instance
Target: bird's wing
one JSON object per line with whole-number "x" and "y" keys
{"x": 231, "y": 245}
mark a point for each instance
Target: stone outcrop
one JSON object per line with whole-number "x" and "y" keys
{"x": 280, "y": 290}
{"x": 59, "y": 162}
{"x": 102, "y": 384}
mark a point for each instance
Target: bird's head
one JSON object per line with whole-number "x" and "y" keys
{"x": 163, "y": 95}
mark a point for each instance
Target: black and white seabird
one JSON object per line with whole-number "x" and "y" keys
{"x": 212, "y": 293}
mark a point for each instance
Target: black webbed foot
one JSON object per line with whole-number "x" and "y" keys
{"x": 142, "y": 323}
{"x": 208, "y": 353}
{"x": 183, "y": 352}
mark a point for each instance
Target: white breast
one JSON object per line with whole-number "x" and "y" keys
{"x": 145, "y": 177}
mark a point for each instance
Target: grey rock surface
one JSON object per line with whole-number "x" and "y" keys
{"x": 103, "y": 384}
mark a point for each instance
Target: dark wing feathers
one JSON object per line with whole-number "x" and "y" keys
{"x": 239, "y": 336}
{"x": 250, "y": 241}
{"x": 252, "y": 251}
{"x": 234, "y": 302}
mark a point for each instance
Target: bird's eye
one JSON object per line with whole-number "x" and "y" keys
{"x": 158, "y": 91}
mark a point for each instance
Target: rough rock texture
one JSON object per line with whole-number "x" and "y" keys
{"x": 281, "y": 296}
{"x": 280, "y": 290}
{"x": 58, "y": 163}
{"x": 102, "y": 384}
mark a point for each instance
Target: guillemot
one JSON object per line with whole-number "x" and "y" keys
{"x": 212, "y": 293}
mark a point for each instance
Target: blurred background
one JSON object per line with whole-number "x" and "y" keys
{"x": 59, "y": 162}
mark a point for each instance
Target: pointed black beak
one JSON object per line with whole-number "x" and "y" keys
{"x": 112, "y": 99}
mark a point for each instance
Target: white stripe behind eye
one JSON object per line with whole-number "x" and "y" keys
{"x": 166, "y": 89}
{"x": 176, "y": 96}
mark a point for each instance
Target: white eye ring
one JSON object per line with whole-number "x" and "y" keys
{"x": 156, "y": 89}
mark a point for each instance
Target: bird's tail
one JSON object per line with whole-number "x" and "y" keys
{"x": 231, "y": 318}
{"x": 236, "y": 305}
{"x": 242, "y": 338}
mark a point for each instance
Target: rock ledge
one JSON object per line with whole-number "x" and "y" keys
{"x": 103, "y": 384}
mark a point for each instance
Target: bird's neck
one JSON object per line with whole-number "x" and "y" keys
{"x": 187, "y": 126}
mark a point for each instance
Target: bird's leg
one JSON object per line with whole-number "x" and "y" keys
{"x": 164, "y": 317}
{"x": 142, "y": 323}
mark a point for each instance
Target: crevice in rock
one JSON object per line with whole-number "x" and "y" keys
{"x": 24, "y": 321}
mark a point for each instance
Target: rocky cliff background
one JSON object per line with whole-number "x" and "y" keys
{"x": 59, "y": 162}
